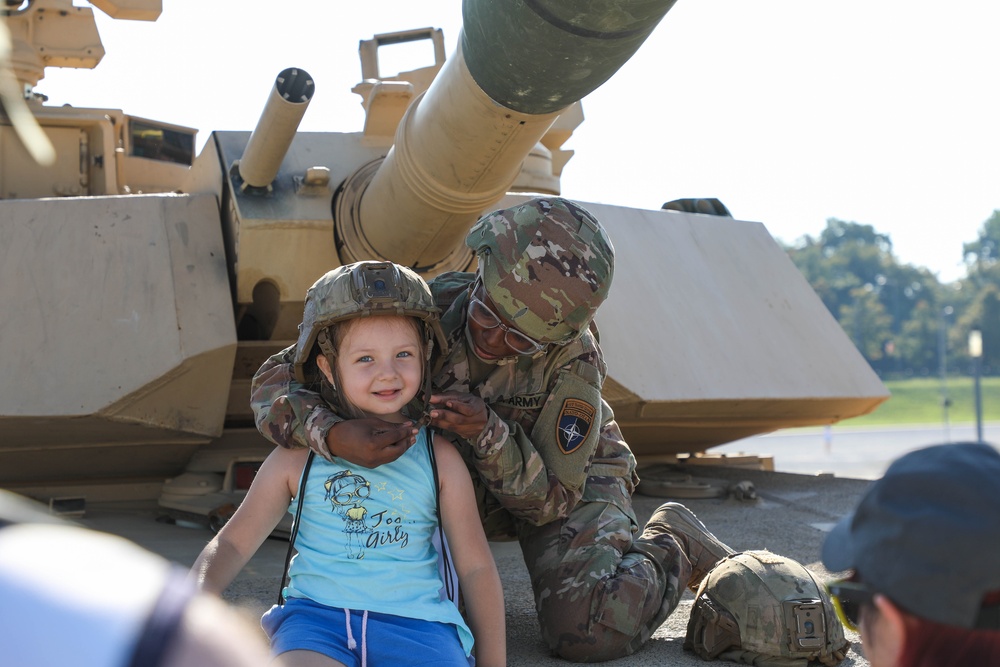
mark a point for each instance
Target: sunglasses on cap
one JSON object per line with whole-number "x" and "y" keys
{"x": 484, "y": 316}
{"x": 848, "y": 597}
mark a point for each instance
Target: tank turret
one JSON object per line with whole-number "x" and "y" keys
{"x": 147, "y": 285}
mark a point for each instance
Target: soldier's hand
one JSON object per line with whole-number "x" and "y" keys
{"x": 370, "y": 442}
{"x": 463, "y": 414}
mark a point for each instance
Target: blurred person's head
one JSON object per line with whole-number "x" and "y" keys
{"x": 923, "y": 554}
{"x": 74, "y": 596}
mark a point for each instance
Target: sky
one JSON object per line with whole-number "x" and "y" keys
{"x": 789, "y": 111}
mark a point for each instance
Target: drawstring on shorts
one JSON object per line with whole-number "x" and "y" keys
{"x": 351, "y": 643}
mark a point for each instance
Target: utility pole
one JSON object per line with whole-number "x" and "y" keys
{"x": 976, "y": 352}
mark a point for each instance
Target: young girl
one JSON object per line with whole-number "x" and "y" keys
{"x": 364, "y": 586}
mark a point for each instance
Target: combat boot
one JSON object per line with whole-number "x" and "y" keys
{"x": 702, "y": 548}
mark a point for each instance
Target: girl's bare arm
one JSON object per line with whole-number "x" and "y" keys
{"x": 477, "y": 572}
{"x": 265, "y": 504}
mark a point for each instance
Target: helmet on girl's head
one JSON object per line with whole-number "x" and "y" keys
{"x": 363, "y": 289}
{"x": 763, "y": 609}
{"x": 546, "y": 264}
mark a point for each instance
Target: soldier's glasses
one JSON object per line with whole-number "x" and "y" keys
{"x": 487, "y": 319}
{"x": 848, "y": 597}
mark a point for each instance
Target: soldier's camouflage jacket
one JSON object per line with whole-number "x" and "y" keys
{"x": 550, "y": 439}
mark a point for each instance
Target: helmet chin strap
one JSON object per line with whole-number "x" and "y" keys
{"x": 425, "y": 413}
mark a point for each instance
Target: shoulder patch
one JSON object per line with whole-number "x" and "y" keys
{"x": 575, "y": 420}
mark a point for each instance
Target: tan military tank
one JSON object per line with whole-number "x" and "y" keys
{"x": 143, "y": 285}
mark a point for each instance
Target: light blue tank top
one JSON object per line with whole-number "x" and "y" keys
{"x": 365, "y": 539}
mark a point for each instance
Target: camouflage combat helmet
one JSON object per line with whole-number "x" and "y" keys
{"x": 363, "y": 289}
{"x": 546, "y": 264}
{"x": 762, "y": 609}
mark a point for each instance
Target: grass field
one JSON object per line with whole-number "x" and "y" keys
{"x": 918, "y": 401}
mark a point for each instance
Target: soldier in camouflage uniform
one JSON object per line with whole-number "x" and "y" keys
{"x": 520, "y": 387}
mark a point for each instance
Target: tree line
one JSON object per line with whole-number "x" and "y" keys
{"x": 903, "y": 320}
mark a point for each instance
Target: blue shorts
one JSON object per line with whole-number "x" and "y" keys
{"x": 302, "y": 624}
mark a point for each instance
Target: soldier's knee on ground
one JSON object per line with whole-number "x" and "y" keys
{"x": 586, "y": 644}
{"x": 610, "y": 622}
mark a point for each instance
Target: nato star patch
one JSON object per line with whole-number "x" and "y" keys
{"x": 573, "y": 425}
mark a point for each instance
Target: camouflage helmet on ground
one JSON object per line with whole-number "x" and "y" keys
{"x": 363, "y": 289}
{"x": 762, "y": 609}
{"x": 546, "y": 264}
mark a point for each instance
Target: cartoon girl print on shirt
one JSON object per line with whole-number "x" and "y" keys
{"x": 347, "y": 493}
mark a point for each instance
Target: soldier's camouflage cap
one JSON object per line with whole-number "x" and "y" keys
{"x": 364, "y": 289}
{"x": 762, "y": 609}
{"x": 546, "y": 264}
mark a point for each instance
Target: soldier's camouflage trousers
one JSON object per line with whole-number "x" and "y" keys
{"x": 600, "y": 591}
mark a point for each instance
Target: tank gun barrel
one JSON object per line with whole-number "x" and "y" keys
{"x": 293, "y": 89}
{"x": 562, "y": 50}
{"x": 461, "y": 144}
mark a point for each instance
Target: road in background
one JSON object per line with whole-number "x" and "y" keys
{"x": 854, "y": 452}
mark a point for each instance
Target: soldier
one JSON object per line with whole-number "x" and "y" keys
{"x": 520, "y": 387}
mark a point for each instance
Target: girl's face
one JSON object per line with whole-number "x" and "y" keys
{"x": 380, "y": 364}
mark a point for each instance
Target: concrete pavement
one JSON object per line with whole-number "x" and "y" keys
{"x": 860, "y": 452}
{"x": 790, "y": 518}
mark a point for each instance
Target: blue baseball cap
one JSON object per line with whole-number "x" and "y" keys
{"x": 927, "y": 535}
